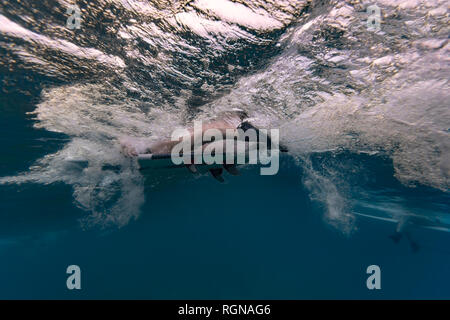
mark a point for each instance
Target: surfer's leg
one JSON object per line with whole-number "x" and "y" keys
{"x": 396, "y": 237}
{"x": 414, "y": 245}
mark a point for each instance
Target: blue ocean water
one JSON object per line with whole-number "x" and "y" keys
{"x": 255, "y": 237}
{"x": 357, "y": 147}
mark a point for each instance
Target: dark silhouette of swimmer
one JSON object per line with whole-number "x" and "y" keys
{"x": 409, "y": 220}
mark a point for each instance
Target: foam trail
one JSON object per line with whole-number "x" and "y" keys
{"x": 326, "y": 191}
{"x": 112, "y": 196}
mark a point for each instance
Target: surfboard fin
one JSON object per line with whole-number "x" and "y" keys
{"x": 217, "y": 174}
{"x": 191, "y": 168}
{"x": 231, "y": 169}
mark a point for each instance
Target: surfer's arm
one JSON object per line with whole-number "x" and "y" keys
{"x": 132, "y": 148}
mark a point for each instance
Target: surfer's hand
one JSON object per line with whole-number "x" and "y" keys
{"x": 128, "y": 150}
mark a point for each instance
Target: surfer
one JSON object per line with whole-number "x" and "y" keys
{"x": 225, "y": 121}
{"x": 406, "y": 221}
{"x": 236, "y": 119}
{"x": 409, "y": 220}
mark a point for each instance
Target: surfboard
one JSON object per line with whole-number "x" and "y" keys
{"x": 162, "y": 167}
{"x": 164, "y": 161}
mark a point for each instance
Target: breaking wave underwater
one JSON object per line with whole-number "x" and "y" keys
{"x": 140, "y": 69}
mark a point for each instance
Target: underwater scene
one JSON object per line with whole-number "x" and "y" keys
{"x": 350, "y": 100}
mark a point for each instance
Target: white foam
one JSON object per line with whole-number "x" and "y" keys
{"x": 13, "y": 29}
{"x": 234, "y": 12}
